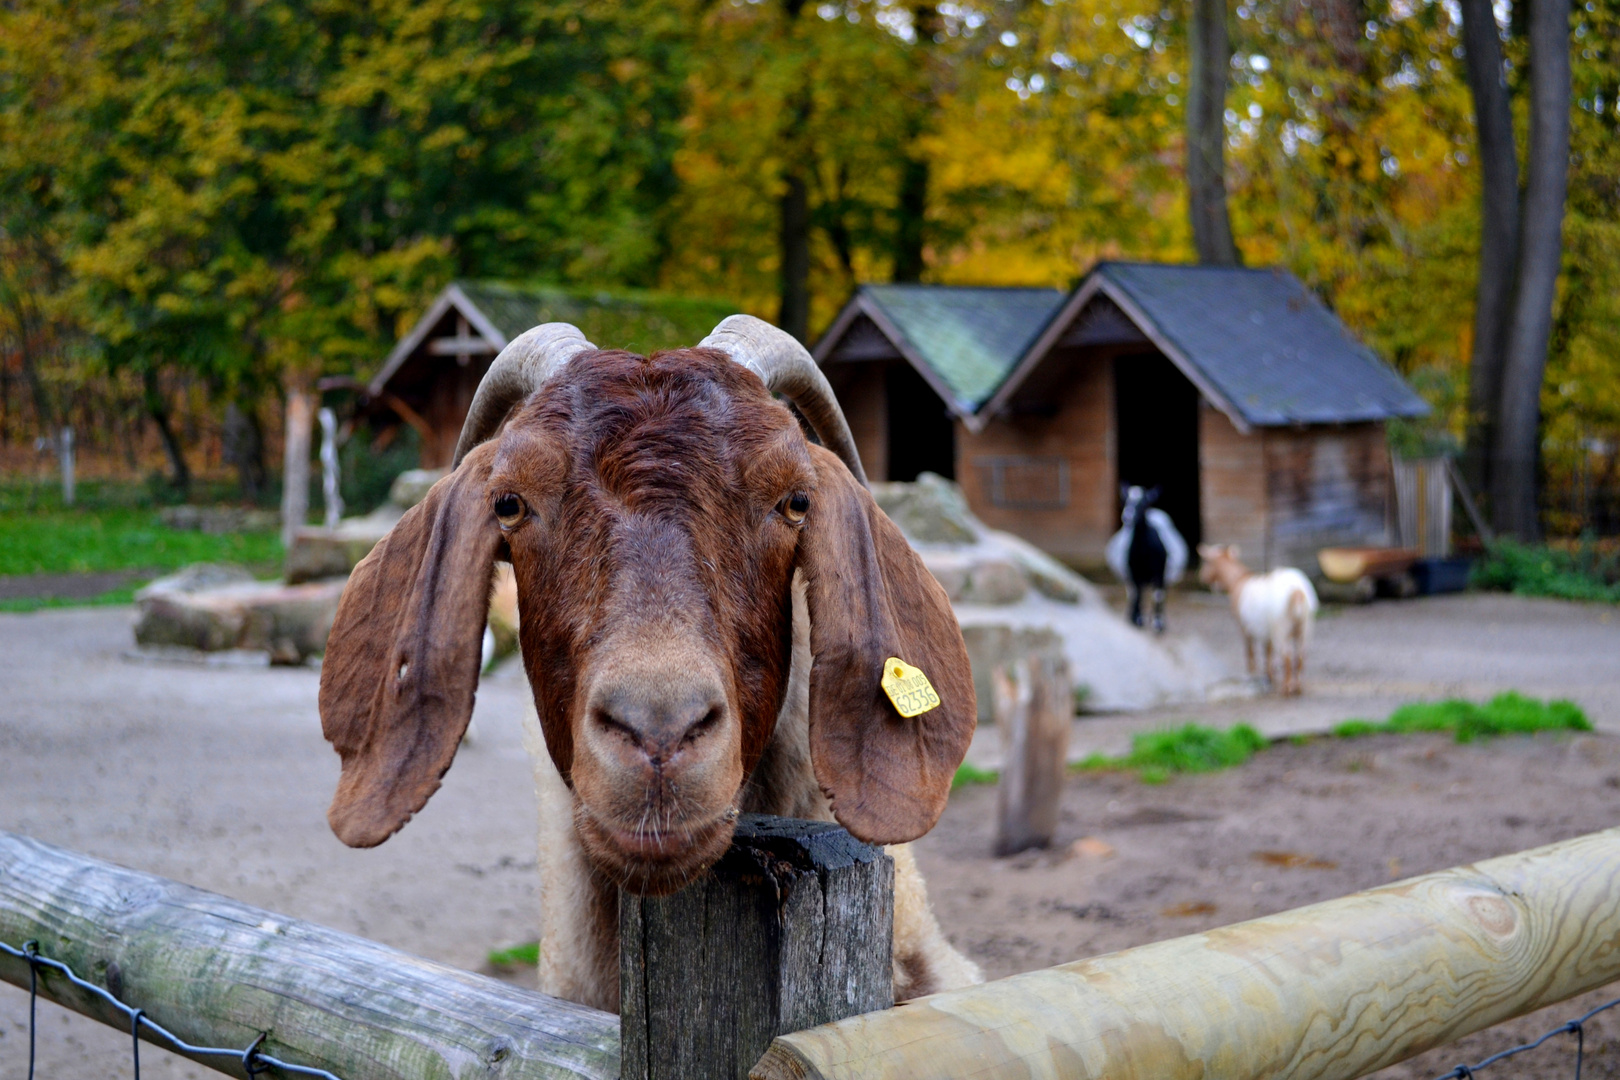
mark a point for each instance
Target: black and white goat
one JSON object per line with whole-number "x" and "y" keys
{"x": 1147, "y": 551}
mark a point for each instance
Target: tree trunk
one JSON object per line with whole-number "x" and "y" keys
{"x": 908, "y": 251}
{"x": 793, "y": 315}
{"x": 1206, "y": 134}
{"x": 1514, "y": 462}
{"x": 1499, "y": 234}
{"x": 158, "y": 409}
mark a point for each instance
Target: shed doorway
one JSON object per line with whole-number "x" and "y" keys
{"x": 922, "y": 434}
{"x": 1156, "y": 430}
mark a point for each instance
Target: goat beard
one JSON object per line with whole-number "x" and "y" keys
{"x": 682, "y": 853}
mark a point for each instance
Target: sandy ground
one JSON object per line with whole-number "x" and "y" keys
{"x": 219, "y": 777}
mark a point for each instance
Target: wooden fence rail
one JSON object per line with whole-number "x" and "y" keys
{"x": 217, "y": 972}
{"x": 1327, "y": 992}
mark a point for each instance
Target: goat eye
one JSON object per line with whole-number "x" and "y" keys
{"x": 795, "y": 506}
{"x": 509, "y": 510}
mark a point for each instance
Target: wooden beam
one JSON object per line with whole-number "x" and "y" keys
{"x": 460, "y": 346}
{"x": 1327, "y": 992}
{"x": 217, "y": 973}
{"x": 790, "y": 929}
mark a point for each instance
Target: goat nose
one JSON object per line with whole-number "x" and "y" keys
{"x": 658, "y": 721}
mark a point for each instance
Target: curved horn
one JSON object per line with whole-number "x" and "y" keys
{"x": 787, "y": 369}
{"x": 522, "y": 368}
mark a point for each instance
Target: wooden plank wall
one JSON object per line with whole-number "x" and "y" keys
{"x": 1232, "y": 485}
{"x": 859, "y": 388}
{"x": 1325, "y": 487}
{"x": 1081, "y": 431}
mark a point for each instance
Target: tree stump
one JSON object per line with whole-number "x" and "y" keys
{"x": 1034, "y": 704}
{"x": 793, "y": 927}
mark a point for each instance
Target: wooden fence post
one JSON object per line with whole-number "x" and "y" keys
{"x": 1034, "y": 706}
{"x": 793, "y": 927}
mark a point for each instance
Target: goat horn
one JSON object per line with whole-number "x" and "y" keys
{"x": 523, "y": 367}
{"x": 787, "y": 369}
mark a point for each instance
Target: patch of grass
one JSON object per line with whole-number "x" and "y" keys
{"x": 1192, "y": 748}
{"x": 1505, "y": 714}
{"x": 1580, "y": 572}
{"x": 971, "y": 774}
{"x": 525, "y": 955}
{"x": 23, "y": 605}
{"x": 119, "y": 538}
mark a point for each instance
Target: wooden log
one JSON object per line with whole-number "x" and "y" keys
{"x": 217, "y": 973}
{"x": 793, "y": 927}
{"x": 1327, "y": 992}
{"x": 1034, "y": 706}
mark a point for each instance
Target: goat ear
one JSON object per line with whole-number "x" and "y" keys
{"x": 870, "y": 598}
{"x": 402, "y": 660}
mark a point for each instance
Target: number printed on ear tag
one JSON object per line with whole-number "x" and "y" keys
{"x": 908, "y": 688}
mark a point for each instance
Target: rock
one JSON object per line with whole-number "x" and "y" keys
{"x": 1051, "y": 578}
{"x": 990, "y": 645}
{"x": 972, "y": 576}
{"x": 196, "y": 578}
{"x": 930, "y": 511}
{"x": 290, "y": 622}
{"x": 320, "y": 553}
{"x": 411, "y": 486}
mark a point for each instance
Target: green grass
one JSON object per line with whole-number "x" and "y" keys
{"x": 971, "y": 774}
{"x": 89, "y": 541}
{"x": 525, "y": 955}
{"x": 1192, "y": 748}
{"x": 1584, "y": 572}
{"x": 1505, "y": 714}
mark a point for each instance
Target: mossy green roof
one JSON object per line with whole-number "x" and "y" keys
{"x": 970, "y": 337}
{"x": 637, "y": 320}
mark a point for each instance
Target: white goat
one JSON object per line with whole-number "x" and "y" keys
{"x": 1276, "y": 608}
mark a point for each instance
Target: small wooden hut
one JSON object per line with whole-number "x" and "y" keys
{"x": 429, "y": 379}
{"x": 1251, "y": 406}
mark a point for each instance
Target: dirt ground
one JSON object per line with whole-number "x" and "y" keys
{"x": 218, "y": 776}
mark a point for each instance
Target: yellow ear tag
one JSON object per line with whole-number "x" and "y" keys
{"x": 908, "y": 688}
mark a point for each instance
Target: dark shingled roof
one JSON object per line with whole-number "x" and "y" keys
{"x": 1262, "y": 341}
{"x": 969, "y": 337}
{"x": 1257, "y": 343}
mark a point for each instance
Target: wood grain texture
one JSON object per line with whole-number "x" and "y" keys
{"x": 1326, "y": 992}
{"x": 217, "y": 972}
{"x": 1034, "y": 704}
{"x": 792, "y": 927}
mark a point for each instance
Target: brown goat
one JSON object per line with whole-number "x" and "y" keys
{"x": 681, "y": 552}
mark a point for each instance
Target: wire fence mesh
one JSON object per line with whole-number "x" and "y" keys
{"x": 254, "y": 1061}
{"x": 1576, "y": 1027}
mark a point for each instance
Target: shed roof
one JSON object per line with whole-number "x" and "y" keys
{"x": 963, "y": 340}
{"x": 497, "y": 312}
{"x": 1258, "y": 344}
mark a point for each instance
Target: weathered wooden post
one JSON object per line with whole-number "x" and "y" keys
{"x": 1034, "y": 705}
{"x": 295, "y": 470}
{"x": 793, "y": 927}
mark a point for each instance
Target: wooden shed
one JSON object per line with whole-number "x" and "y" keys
{"x": 429, "y": 379}
{"x": 1235, "y": 390}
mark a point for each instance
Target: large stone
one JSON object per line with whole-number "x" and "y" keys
{"x": 930, "y": 511}
{"x": 411, "y": 486}
{"x": 321, "y": 553}
{"x": 290, "y": 622}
